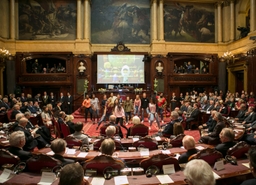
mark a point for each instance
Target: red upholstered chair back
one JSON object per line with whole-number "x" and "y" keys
{"x": 57, "y": 128}
{"x": 239, "y": 150}
{"x": 139, "y": 130}
{"x": 101, "y": 162}
{"x": 228, "y": 113}
{"x": 71, "y": 141}
{"x": 64, "y": 129}
{"x": 41, "y": 161}
{"x": 159, "y": 160}
{"x": 9, "y": 113}
{"x": 146, "y": 142}
{"x": 7, "y": 158}
{"x": 210, "y": 155}
{"x": 177, "y": 141}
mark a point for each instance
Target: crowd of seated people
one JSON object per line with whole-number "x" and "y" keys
{"x": 189, "y": 68}
{"x": 39, "y": 67}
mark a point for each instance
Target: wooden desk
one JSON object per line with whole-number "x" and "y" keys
{"x": 232, "y": 174}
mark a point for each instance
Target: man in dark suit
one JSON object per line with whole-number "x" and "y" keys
{"x": 52, "y": 99}
{"x": 45, "y": 98}
{"x": 32, "y": 139}
{"x": 193, "y": 116}
{"x": 31, "y": 107}
{"x": 250, "y": 117}
{"x": 189, "y": 144}
{"x": 168, "y": 128}
{"x": 58, "y": 146}
{"x": 227, "y": 137}
{"x": 210, "y": 124}
{"x": 17, "y": 142}
{"x": 241, "y": 114}
{"x": 210, "y": 106}
{"x": 213, "y": 137}
{"x": 69, "y": 103}
{"x": 63, "y": 101}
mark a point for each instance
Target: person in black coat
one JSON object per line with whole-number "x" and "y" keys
{"x": 241, "y": 113}
{"x": 32, "y": 139}
{"x": 227, "y": 137}
{"x": 252, "y": 158}
{"x": 16, "y": 110}
{"x": 58, "y": 146}
{"x": 213, "y": 137}
{"x": 17, "y": 142}
{"x": 189, "y": 144}
{"x": 193, "y": 116}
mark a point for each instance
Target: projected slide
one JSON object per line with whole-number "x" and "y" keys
{"x": 120, "y": 69}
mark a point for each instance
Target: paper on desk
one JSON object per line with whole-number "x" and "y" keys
{"x": 164, "y": 179}
{"x": 6, "y": 175}
{"x": 246, "y": 165}
{"x": 166, "y": 152}
{"x": 177, "y": 156}
{"x": 135, "y": 139}
{"x": 168, "y": 169}
{"x": 47, "y": 178}
{"x": 144, "y": 152}
{"x": 82, "y": 154}
{"x": 50, "y": 153}
{"x": 199, "y": 147}
{"x": 120, "y": 180}
{"x": 70, "y": 151}
{"x": 216, "y": 176}
{"x": 98, "y": 181}
{"x": 158, "y": 138}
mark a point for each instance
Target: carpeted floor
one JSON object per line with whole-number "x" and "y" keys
{"x": 90, "y": 128}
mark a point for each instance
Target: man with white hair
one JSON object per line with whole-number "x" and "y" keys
{"x": 189, "y": 144}
{"x": 198, "y": 172}
{"x": 17, "y": 142}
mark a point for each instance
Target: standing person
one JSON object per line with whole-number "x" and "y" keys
{"x": 103, "y": 103}
{"x": 152, "y": 113}
{"x": 174, "y": 100}
{"x": 119, "y": 113}
{"x": 161, "y": 102}
{"x": 108, "y": 110}
{"x": 52, "y": 99}
{"x": 69, "y": 100}
{"x": 62, "y": 99}
{"x": 95, "y": 108}
{"x": 128, "y": 106}
{"x": 144, "y": 106}
{"x": 137, "y": 105}
{"x": 45, "y": 98}
{"x": 87, "y": 104}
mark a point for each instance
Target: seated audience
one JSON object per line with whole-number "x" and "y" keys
{"x": 192, "y": 116}
{"x": 241, "y": 113}
{"x": 112, "y": 120}
{"x": 78, "y": 134}
{"x": 72, "y": 174}
{"x": 189, "y": 144}
{"x": 213, "y": 137}
{"x": 250, "y": 117}
{"x": 250, "y": 138}
{"x": 62, "y": 120}
{"x": 17, "y": 141}
{"x": 198, "y": 172}
{"x": 69, "y": 121}
{"x": 58, "y": 146}
{"x": 209, "y": 125}
{"x": 169, "y": 127}
{"x": 16, "y": 110}
{"x": 47, "y": 119}
{"x": 227, "y": 137}
{"x": 252, "y": 158}
{"x": 32, "y": 139}
{"x": 135, "y": 121}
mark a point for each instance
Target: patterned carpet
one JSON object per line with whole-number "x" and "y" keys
{"x": 90, "y": 128}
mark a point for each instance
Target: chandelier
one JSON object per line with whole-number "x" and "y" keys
{"x": 4, "y": 54}
{"x": 227, "y": 57}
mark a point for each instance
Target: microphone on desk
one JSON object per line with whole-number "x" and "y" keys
{"x": 152, "y": 170}
{"x": 19, "y": 167}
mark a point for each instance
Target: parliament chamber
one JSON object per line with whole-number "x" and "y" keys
{"x": 132, "y": 91}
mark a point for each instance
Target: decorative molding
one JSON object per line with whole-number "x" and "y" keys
{"x": 194, "y": 78}
{"x": 43, "y": 79}
{"x": 120, "y": 47}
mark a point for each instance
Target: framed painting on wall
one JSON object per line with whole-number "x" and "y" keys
{"x": 47, "y": 20}
{"x": 113, "y": 21}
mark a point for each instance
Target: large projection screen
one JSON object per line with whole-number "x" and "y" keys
{"x": 120, "y": 69}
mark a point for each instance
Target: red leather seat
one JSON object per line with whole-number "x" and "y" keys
{"x": 7, "y": 158}
{"x": 159, "y": 160}
{"x": 97, "y": 143}
{"x": 71, "y": 141}
{"x": 101, "y": 162}
{"x": 40, "y": 162}
{"x": 57, "y": 128}
{"x": 139, "y": 130}
{"x": 64, "y": 130}
{"x": 210, "y": 155}
{"x": 177, "y": 141}
{"x": 146, "y": 142}
{"x": 103, "y": 128}
{"x": 239, "y": 150}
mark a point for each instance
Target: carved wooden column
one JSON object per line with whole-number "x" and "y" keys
{"x": 252, "y": 15}
{"x": 219, "y": 22}
{"x": 12, "y": 19}
{"x": 78, "y": 21}
{"x": 161, "y": 20}
{"x": 232, "y": 21}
